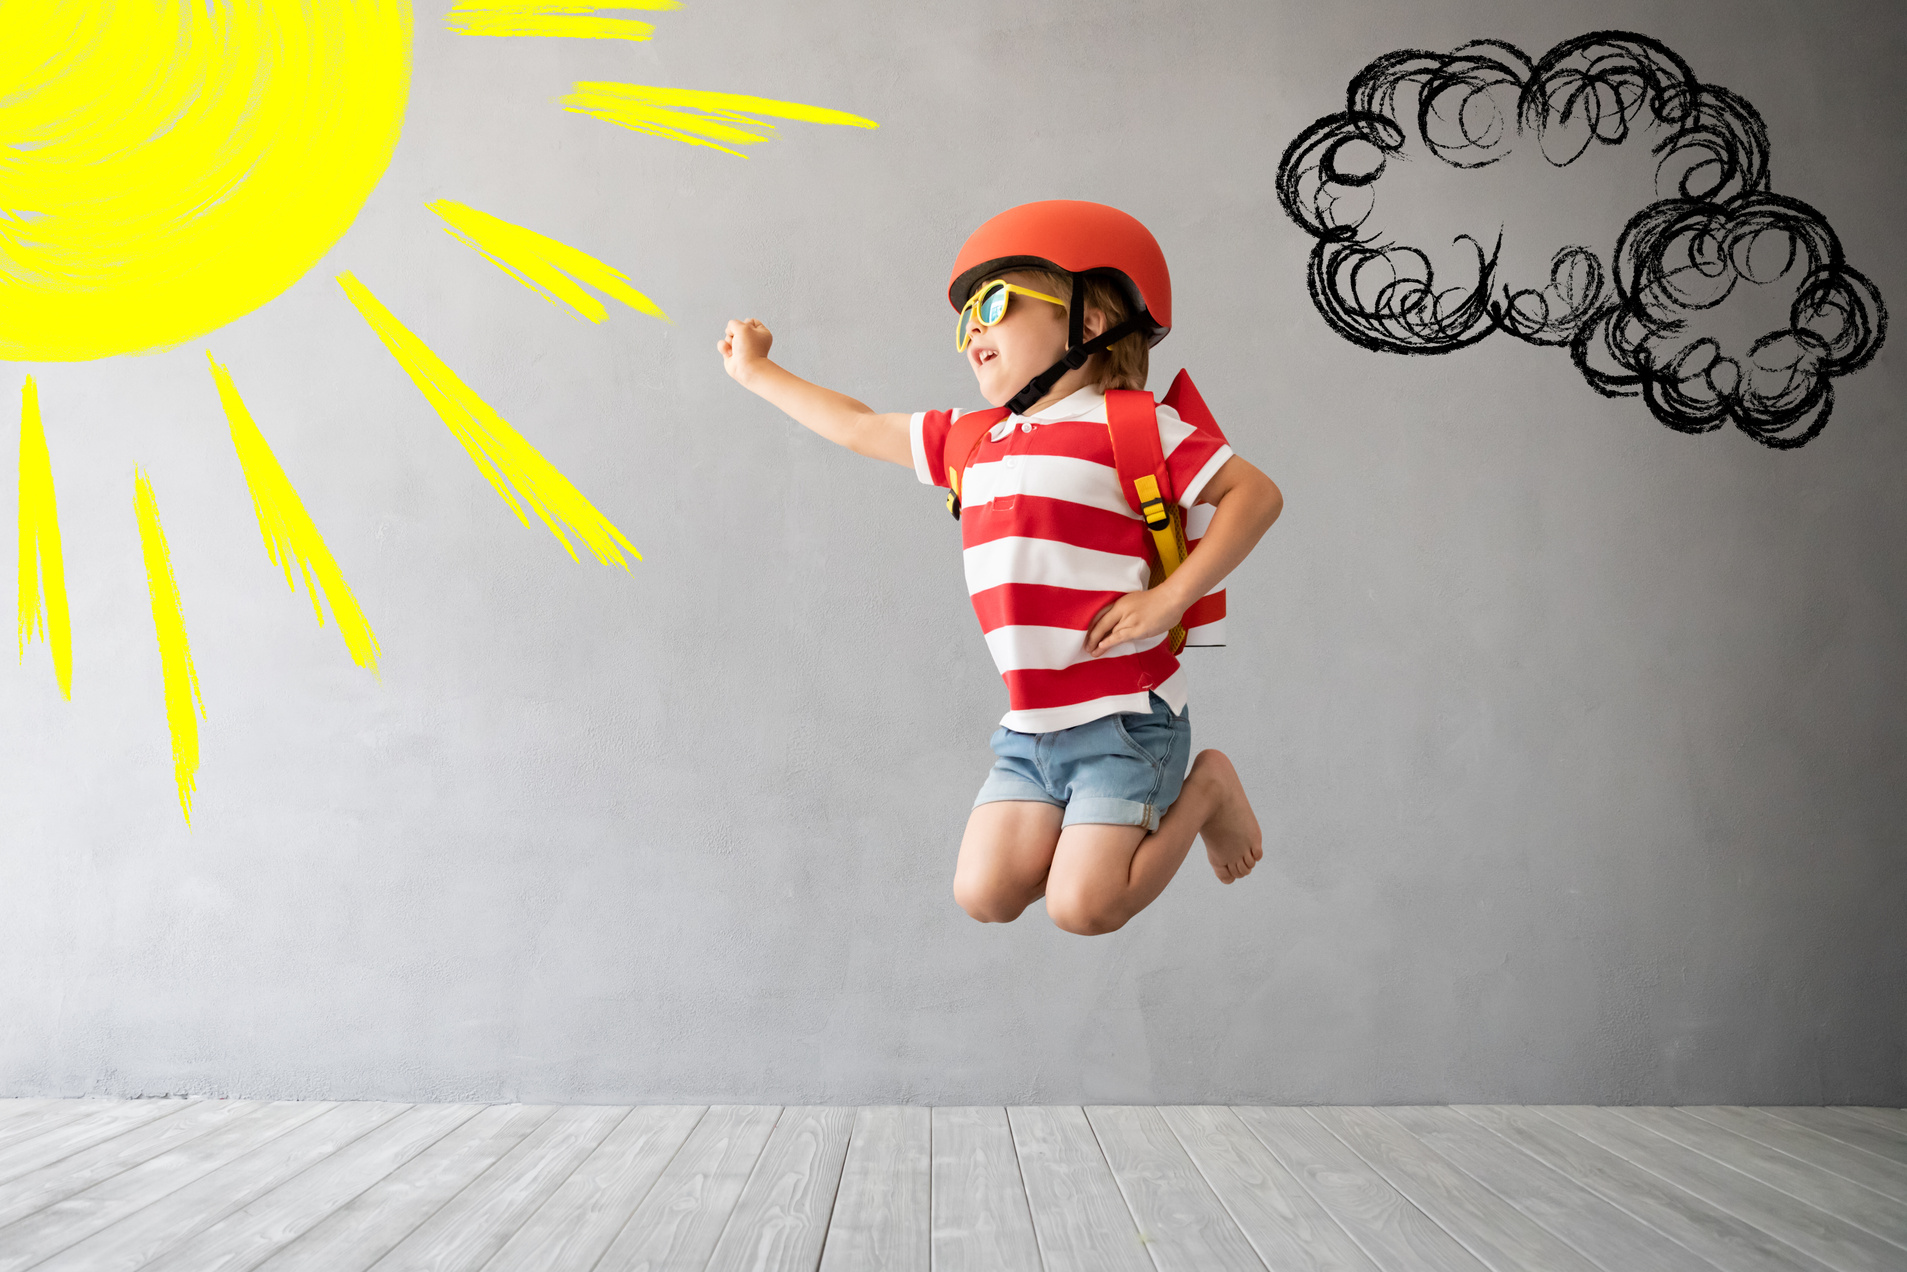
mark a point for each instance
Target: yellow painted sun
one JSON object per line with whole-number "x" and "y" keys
{"x": 172, "y": 166}
{"x": 168, "y": 166}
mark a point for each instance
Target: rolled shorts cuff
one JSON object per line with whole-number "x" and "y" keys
{"x": 1000, "y": 788}
{"x": 1099, "y": 810}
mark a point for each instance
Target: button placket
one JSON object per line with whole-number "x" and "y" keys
{"x": 1015, "y": 445}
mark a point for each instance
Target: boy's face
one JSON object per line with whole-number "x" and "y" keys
{"x": 1031, "y": 338}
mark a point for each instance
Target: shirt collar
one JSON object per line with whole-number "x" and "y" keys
{"x": 1074, "y": 406}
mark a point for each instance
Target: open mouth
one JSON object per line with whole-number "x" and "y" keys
{"x": 983, "y": 356}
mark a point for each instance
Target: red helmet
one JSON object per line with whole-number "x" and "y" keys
{"x": 1074, "y": 237}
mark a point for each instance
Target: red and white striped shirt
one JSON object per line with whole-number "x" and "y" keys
{"x": 1049, "y": 540}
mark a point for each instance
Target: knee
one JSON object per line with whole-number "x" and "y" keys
{"x": 988, "y": 901}
{"x": 1083, "y": 916}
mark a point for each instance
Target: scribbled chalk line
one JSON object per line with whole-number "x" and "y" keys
{"x": 1650, "y": 309}
{"x": 567, "y": 19}
{"x": 291, "y": 537}
{"x": 42, "y": 577}
{"x": 180, "y": 679}
{"x": 696, "y": 117}
{"x": 246, "y": 112}
{"x": 519, "y": 473}
{"x": 553, "y": 270}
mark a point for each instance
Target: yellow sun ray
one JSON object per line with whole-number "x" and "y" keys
{"x": 289, "y": 533}
{"x": 180, "y": 678}
{"x": 696, "y": 117}
{"x": 515, "y": 468}
{"x": 574, "y": 19}
{"x": 41, "y": 566}
{"x": 552, "y": 269}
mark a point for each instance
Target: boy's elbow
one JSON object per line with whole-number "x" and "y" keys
{"x": 1273, "y": 499}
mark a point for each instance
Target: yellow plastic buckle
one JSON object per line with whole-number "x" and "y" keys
{"x": 1151, "y": 503}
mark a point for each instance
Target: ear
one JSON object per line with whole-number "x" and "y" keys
{"x": 1094, "y": 323}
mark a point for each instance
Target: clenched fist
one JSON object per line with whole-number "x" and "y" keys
{"x": 743, "y": 343}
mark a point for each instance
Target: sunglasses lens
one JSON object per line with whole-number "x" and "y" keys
{"x": 993, "y": 305}
{"x": 960, "y": 329}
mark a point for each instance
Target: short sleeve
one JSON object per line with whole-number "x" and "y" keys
{"x": 928, "y": 433}
{"x": 1192, "y": 456}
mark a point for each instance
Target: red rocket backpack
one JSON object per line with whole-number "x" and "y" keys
{"x": 1132, "y": 419}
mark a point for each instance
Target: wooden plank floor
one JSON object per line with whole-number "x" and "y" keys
{"x": 230, "y": 1186}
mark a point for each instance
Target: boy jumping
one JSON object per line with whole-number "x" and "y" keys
{"x": 1089, "y": 803}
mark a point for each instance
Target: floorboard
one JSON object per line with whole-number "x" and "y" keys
{"x": 85, "y": 1199}
{"x": 981, "y": 1222}
{"x": 1823, "y": 1152}
{"x": 207, "y": 1185}
{"x": 1717, "y": 1236}
{"x": 883, "y": 1214}
{"x": 1398, "y": 1236}
{"x": 365, "y": 1228}
{"x": 1284, "y": 1223}
{"x": 10, "y": 1109}
{"x": 781, "y": 1219}
{"x": 1608, "y": 1236}
{"x": 1497, "y": 1233}
{"x": 1834, "y": 1242}
{"x": 1850, "y": 1128}
{"x": 50, "y": 1116}
{"x": 1883, "y": 1216}
{"x": 249, "y": 1236}
{"x": 677, "y": 1225}
{"x": 1184, "y": 1225}
{"x": 1079, "y": 1215}
{"x": 73, "y": 1176}
{"x": 150, "y": 1231}
{"x": 474, "y": 1224}
{"x": 64, "y": 1140}
{"x": 1893, "y": 1118}
{"x": 581, "y": 1218}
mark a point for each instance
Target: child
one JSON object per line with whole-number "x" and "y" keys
{"x": 1089, "y": 803}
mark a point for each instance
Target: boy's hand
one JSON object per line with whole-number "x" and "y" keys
{"x": 743, "y": 344}
{"x": 1134, "y": 616}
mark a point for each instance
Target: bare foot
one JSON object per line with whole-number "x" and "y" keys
{"x": 1233, "y": 843}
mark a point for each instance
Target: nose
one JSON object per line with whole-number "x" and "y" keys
{"x": 974, "y": 327}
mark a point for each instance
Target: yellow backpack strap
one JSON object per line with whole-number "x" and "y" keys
{"x": 1163, "y": 520}
{"x": 1132, "y": 420}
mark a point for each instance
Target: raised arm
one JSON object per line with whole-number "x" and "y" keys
{"x": 836, "y": 416}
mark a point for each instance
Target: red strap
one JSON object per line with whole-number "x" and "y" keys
{"x": 1133, "y": 421}
{"x": 1184, "y": 398}
{"x": 1207, "y": 609}
{"x": 963, "y": 438}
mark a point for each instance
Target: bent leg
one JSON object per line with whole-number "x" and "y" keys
{"x": 1103, "y": 875}
{"x": 1004, "y": 857}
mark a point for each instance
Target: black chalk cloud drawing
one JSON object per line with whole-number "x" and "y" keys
{"x": 1602, "y": 199}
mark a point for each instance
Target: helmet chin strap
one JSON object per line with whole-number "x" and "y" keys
{"x": 1076, "y": 351}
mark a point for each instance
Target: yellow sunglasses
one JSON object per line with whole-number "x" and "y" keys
{"x": 988, "y": 306}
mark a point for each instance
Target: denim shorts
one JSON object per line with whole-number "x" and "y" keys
{"x": 1118, "y": 770}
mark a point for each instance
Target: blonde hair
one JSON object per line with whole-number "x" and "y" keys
{"x": 1125, "y": 364}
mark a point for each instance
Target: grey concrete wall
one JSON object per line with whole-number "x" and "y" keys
{"x": 1579, "y": 743}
